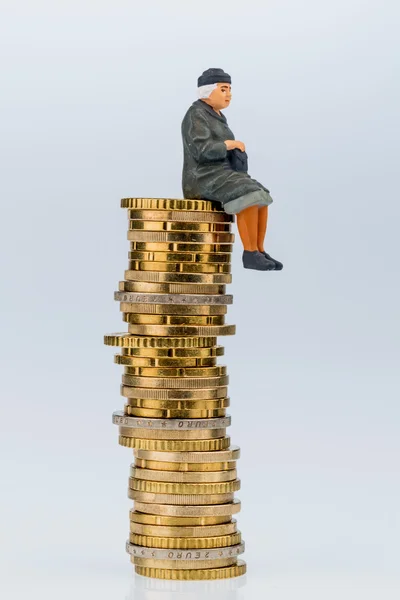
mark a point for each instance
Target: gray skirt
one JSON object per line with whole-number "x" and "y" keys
{"x": 260, "y": 197}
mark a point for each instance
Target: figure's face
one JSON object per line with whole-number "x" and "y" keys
{"x": 220, "y": 97}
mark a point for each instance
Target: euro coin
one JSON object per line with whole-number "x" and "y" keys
{"x": 181, "y": 257}
{"x": 208, "y": 248}
{"x": 171, "y": 204}
{"x": 181, "y": 330}
{"x": 182, "y": 300}
{"x": 148, "y": 361}
{"x": 172, "y": 288}
{"x": 172, "y": 309}
{"x": 232, "y": 453}
{"x": 119, "y": 418}
{"x": 184, "y": 468}
{"x": 152, "y": 563}
{"x": 138, "y": 517}
{"x": 182, "y": 543}
{"x": 179, "y": 215}
{"x": 175, "y": 414}
{"x": 182, "y": 477}
{"x": 216, "y": 371}
{"x": 175, "y": 445}
{"x": 161, "y": 434}
{"x": 175, "y": 404}
{"x": 195, "y": 574}
{"x": 212, "y": 393}
{"x": 132, "y": 341}
{"x": 175, "y": 353}
{"x": 183, "y": 555}
{"x": 158, "y": 277}
{"x": 215, "y": 510}
{"x": 180, "y": 498}
{"x": 174, "y": 382}
{"x": 183, "y": 267}
{"x": 182, "y": 531}
{"x": 178, "y": 226}
{"x": 146, "y": 319}
{"x": 210, "y": 237}
{"x": 163, "y": 487}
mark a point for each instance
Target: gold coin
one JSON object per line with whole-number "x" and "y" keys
{"x": 177, "y": 226}
{"x": 210, "y": 237}
{"x": 151, "y": 563}
{"x": 182, "y": 477}
{"x": 171, "y": 288}
{"x": 212, "y": 393}
{"x": 182, "y": 468}
{"x": 195, "y": 574}
{"x": 183, "y": 300}
{"x": 223, "y": 249}
{"x": 185, "y": 543}
{"x": 158, "y": 277}
{"x": 181, "y": 257}
{"x": 138, "y": 517}
{"x": 175, "y": 353}
{"x": 204, "y": 510}
{"x": 173, "y": 309}
{"x": 182, "y": 330}
{"x": 232, "y": 453}
{"x": 181, "y": 531}
{"x": 146, "y": 319}
{"x": 216, "y": 371}
{"x": 163, "y": 487}
{"x": 180, "y": 215}
{"x": 162, "y": 434}
{"x": 132, "y": 341}
{"x": 175, "y": 404}
{"x": 179, "y": 413}
{"x": 172, "y": 267}
{"x": 179, "y": 498}
{"x": 175, "y": 445}
{"x": 174, "y": 382}
{"x": 171, "y": 204}
{"x": 147, "y": 361}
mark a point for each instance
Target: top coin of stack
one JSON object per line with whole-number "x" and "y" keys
{"x": 184, "y": 475}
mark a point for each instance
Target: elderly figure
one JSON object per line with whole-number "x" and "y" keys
{"x": 210, "y": 173}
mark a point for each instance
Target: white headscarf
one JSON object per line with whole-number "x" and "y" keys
{"x": 204, "y": 91}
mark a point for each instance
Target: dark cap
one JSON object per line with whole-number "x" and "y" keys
{"x": 213, "y": 76}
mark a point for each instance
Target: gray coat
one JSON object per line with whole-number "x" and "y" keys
{"x": 207, "y": 173}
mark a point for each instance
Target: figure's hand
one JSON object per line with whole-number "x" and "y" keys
{"x": 231, "y": 144}
{"x": 240, "y": 145}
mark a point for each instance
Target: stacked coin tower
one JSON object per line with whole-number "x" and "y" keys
{"x": 184, "y": 476}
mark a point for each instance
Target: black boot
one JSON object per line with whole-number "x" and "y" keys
{"x": 256, "y": 260}
{"x": 278, "y": 265}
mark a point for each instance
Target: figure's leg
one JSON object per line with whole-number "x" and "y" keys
{"x": 247, "y": 222}
{"x": 262, "y": 226}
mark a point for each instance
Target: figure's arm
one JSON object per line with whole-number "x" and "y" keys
{"x": 200, "y": 142}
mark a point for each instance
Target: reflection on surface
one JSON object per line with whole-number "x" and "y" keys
{"x": 147, "y": 588}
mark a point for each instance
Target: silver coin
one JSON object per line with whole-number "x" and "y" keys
{"x": 182, "y": 555}
{"x": 119, "y": 418}
{"x": 194, "y": 299}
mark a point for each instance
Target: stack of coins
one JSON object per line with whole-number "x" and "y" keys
{"x": 183, "y": 479}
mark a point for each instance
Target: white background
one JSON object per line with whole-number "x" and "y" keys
{"x": 91, "y": 103}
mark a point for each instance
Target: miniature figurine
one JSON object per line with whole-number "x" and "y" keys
{"x": 215, "y": 168}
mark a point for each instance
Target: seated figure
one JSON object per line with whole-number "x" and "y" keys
{"x": 209, "y": 171}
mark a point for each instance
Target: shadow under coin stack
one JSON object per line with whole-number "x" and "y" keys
{"x": 184, "y": 477}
